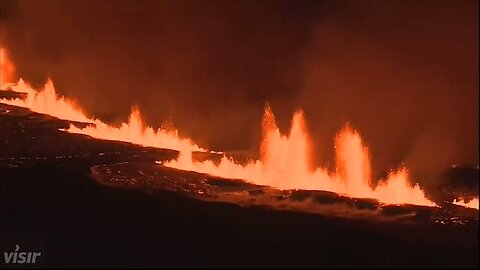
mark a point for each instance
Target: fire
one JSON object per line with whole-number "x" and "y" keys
{"x": 136, "y": 132}
{"x": 6, "y": 69}
{"x": 284, "y": 159}
{"x": 284, "y": 164}
{"x": 473, "y": 203}
{"x": 352, "y": 163}
{"x": 47, "y": 101}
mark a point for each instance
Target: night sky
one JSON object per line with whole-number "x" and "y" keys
{"x": 404, "y": 73}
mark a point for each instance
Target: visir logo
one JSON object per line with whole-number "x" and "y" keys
{"x": 20, "y": 257}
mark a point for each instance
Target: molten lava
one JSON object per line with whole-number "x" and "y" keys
{"x": 473, "y": 203}
{"x": 284, "y": 159}
{"x": 6, "y": 69}
{"x": 48, "y": 102}
{"x": 284, "y": 164}
{"x": 134, "y": 131}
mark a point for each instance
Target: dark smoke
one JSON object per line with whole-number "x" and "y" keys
{"x": 404, "y": 73}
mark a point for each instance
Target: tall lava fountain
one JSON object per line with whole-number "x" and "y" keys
{"x": 285, "y": 164}
{"x": 284, "y": 159}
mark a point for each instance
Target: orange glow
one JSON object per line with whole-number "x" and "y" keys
{"x": 284, "y": 159}
{"x": 352, "y": 163}
{"x": 396, "y": 189}
{"x": 134, "y": 131}
{"x": 46, "y": 101}
{"x": 6, "y": 69}
{"x": 473, "y": 203}
{"x": 284, "y": 164}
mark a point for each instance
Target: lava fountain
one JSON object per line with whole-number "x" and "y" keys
{"x": 284, "y": 159}
{"x": 47, "y": 101}
{"x": 135, "y": 131}
{"x": 6, "y": 69}
{"x": 473, "y": 203}
{"x": 284, "y": 163}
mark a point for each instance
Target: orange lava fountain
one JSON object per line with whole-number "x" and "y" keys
{"x": 48, "y": 102}
{"x": 284, "y": 164}
{"x": 473, "y": 203}
{"x": 134, "y": 131}
{"x": 6, "y": 69}
{"x": 284, "y": 161}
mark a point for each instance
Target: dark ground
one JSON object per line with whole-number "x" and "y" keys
{"x": 50, "y": 203}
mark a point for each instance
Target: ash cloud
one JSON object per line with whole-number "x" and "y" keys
{"x": 404, "y": 73}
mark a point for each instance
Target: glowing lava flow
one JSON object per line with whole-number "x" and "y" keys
{"x": 284, "y": 164}
{"x": 284, "y": 160}
{"x": 134, "y": 131}
{"x": 6, "y": 69}
{"x": 48, "y": 102}
{"x": 473, "y": 203}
